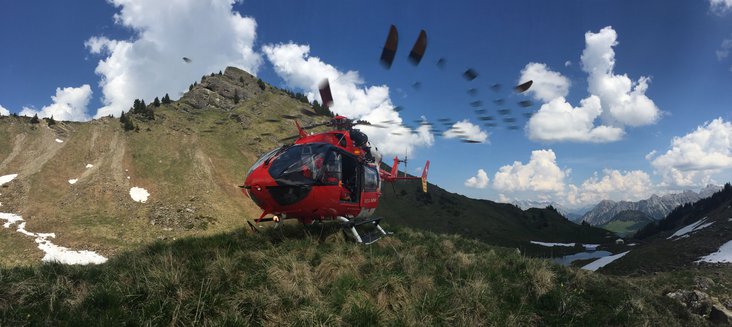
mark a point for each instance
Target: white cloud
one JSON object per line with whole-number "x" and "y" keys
{"x": 614, "y": 100}
{"x": 4, "y": 112}
{"x": 720, "y": 6}
{"x": 695, "y": 157}
{"x": 559, "y": 121}
{"x": 724, "y": 49}
{"x": 478, "y": 181}
{"x": 613, "y": 185}
{"x": 293, "y": 63}
{"x": 464, "y": 129}
{"x": 623, "y": 100}
{"x": 540, "y": 174}
{"x": 69, "y": 103}
{"x": 548, "y": 85}
{"x": 151, "y": 64}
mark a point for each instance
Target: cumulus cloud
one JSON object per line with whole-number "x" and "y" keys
{"x": 724, "y": 49}
{"x": 3, "y": 111}
{"x": 351, "y": 98}
{"x": 720, "y": 6}
{"x": 559, "y": 121}
{"x": 613, "y": 185}
{"x": 69, "y": 103}
{"x": 464, "y": 129}
{"x": 695, "y": 157}
{"x": 540, "y": 174}
{"x": 548, "y": 85}
{"x": 615, "y": 100}
{"x": 151, "y": 64}
{"x": 624, "y": 101}
{"x": 478, "y": 181}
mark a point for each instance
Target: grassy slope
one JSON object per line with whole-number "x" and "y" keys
{"x": 494, "y": 223}
{"x": 296, "y": 277}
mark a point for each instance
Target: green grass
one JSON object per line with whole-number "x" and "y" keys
{"x": 624, "y": 227}
{"x": 306, "y": 276}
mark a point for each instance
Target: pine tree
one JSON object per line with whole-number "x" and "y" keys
{"x": 156, "y": 102}
{"x": 136, "y": 107}
{"x": 51, "y": 121}
{"x": 166, "y": 99}
{"x": 220, "y": 73}
{"x": 34, "y": 120}
{"x": 261, "y": 84}
{"x": 190, "y": 88}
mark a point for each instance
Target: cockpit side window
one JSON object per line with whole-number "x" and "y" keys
{"x": 371, "y": 179}
{"x": 262, "y": 159}
{"x": 301, "y": 164}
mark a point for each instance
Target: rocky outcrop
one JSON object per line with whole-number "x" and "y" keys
{"x": 700, "y": 303}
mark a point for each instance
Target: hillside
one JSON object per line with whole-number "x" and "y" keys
{"x": 678, "y": 241}
{"x": 190, "y": 159}
{"x": 627, "y": 222}
{"x": 309, "y": 277}
{"x": 656, "y": 207}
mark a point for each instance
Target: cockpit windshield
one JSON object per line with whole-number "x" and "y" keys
{"x": 262, "y": 159}
{"x": 307, "y": 164}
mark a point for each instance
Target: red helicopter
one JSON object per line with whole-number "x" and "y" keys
{"x": 333, "y": 175}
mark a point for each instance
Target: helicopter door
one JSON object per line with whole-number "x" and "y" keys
{"x": 351, "y": 182}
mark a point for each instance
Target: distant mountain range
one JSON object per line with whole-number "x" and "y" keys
{"x": 574, "y": 215}
{"x": 655, "y": 207}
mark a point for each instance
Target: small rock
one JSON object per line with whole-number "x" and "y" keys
{"x": 703, "y": 283}
{"x": 720, "y": 315}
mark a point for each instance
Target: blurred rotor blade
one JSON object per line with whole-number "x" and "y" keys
{"x": 289, "y": 138}
{"x": 490, "y": 124}
{"x": 469, "y": 141}
{"x": 525, "y": 103}
{"x": 325, "y": 94}
{"x": 504, "y": 111}
{"x": 496, "y": 87}
{"x": 290, "y": 116}
{"x": 513, "y": 128}
{"x": 390, "y": 47}
{"x": 476, "y": 104}
{"x": 486, "y": 118}
{"x": 509, "y": 120}
{"x": 480, "y": 111}
{"x": 499, "y": 102}
{"x": 523, "y": 87}
{"x": 441, "y": 63}
{"x": 395, "y": 133}
{"x": 444, "y": 119}
{"x": 366, "y": 123}
{"x": 272, "y": 120}
{"x": 415, "y": 56}
{"x": 473, "y": 92}
{"x": 528, "y": 115}
{"x": 398, "y": 108}
{"x": 470, "y": 74}
{"x": 187, "y": 60}
{"x": 308, "y": 112}
{"x": 316, "y": 125}
{"x": 266, "y": 134}
{"x": 417, "y": 85}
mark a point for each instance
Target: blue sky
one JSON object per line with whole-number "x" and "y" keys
{"x": 54, "y": 49}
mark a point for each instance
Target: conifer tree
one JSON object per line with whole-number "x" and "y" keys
{"x": 261, "y": 84}
{"x": 51, "y": 121}
{"x": 34, "y": 120}
{"x": 236, "y": 97}
{"x": 166, "y": 99}
{"x": 156, "y": 102}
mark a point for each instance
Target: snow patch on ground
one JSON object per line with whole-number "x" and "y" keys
{"x": 59, "y": 141}
{"x": 73, "y": 181}
{"x": 552, "y": 244}
{"x": 693, "y": 227}
{"x": 723, "y": 255}
{"x": 7, "y": 178}
{"x": 89, "y": 165}
{"x": 604, "y": 261}
{"x": 590, "y": 247}
{"x": 139, "y": 194}
{"x": 53, "y": 252}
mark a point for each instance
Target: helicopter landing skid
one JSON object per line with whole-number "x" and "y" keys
{"x": 352, "y": 227}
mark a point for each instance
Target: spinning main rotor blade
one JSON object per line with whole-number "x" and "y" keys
{"x": 290, "y": 116}
{"x": 523, "y": 87}
{"x": 415, "y": 56}
{"x": 441, "y": 63}
{"x": 525, "y": 103}
{"x": 470, "y": 74}
{"x": 325, "y": 94}
{"x": 390, "y": 47}
{"x": 187, "y": 60}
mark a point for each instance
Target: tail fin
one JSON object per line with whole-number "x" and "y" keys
{"x": 300, "y": 131}
{"x": 395, "y": 167}
{"x": 424, "y": 176}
